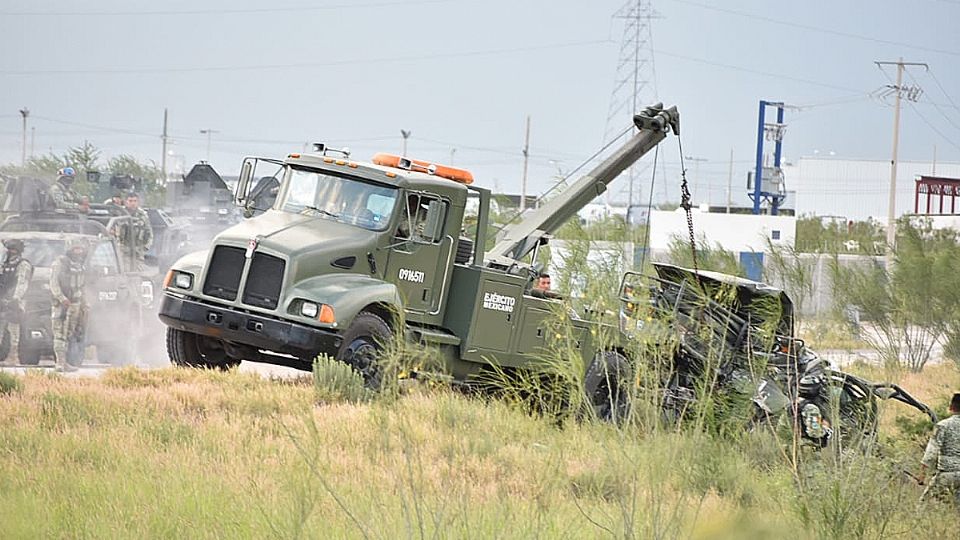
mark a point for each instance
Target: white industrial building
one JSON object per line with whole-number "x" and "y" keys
{"x": 857, "y": 189}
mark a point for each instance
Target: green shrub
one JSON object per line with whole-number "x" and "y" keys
{"x": 334, "y": 381}
{"x": 9, "y": 384}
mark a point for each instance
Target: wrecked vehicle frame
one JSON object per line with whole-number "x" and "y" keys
{"x": 740, "y": 334}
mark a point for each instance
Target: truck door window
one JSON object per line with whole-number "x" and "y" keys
{"x": 415, "y": 218}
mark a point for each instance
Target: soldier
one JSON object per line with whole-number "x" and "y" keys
{"x": 62, "y": 194}
{"x": 135, "y": 234}
{"x": 814, "y": 426}
{"x": 15, "y": 275}
{"x": 942, "y": 456}
{"x": 67, "y": 279}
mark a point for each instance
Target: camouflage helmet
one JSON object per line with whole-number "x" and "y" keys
{"x": 13, "y": 244}
{"x": 809, "y": 385}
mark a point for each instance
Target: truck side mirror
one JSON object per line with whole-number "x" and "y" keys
{"x": 434, "y": 221}
{"x": 243, "y": 184}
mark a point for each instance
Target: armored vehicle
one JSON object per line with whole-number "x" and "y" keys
{"x": 116, "y": 295}
{"x": 351, "y": 253}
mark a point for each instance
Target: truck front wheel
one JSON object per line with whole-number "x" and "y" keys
{"x": 607, "y": 386}
{"x": 363, "y": 343}
{"x": 191, "y": 350}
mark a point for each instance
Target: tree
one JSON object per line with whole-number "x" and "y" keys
{"x": 709, "y": 257}
{"x": 911, "y": 304}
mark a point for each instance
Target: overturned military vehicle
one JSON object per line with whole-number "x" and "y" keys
{"x": 738, "y": 336}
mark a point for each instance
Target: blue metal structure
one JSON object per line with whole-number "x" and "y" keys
{"x": 758, "y": 195}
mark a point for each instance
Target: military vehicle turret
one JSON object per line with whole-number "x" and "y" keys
{"x": 351, "y": 253}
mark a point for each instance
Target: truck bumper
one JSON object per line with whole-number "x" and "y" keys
{"x": 256, "y": 331}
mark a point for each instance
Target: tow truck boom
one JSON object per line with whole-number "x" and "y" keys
{"x": 521, "y": 238}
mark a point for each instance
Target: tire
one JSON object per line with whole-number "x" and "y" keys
{"x": 29, "y": 357}
{"x": 464, "y": 251}
{"x": 75, "y": 352}
{"x": 607, "y": 387}
{"x": 187, "y": 349}
{"x": 363, "y": 342}
{"x": 5, "y": 345}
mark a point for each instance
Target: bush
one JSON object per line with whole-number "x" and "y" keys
{"x": 9, "y": 384}
{"x": 334, "y": 381}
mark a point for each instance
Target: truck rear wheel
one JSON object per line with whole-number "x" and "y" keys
{"x": 607, "y": 386}
{"x": 362, "y": 346}
{"x": 190, "y": 350}
{"x": 5, "y": 345}
{"x": 29, "y": 357}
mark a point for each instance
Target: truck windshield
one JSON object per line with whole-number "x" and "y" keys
{"x": 339, "y": 198}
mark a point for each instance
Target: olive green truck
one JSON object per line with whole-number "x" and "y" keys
{"x": 343, "y": 254}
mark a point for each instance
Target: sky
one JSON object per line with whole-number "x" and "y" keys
{"x": 265, "y": 78}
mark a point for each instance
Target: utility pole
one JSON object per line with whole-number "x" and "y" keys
{"x": 163, "y": 158}
{"x": 730, "y": 183}
{"x": 208, "y": 132}
{"x": 453, "y": 152}
{"x": 913, "y": 95}
{"x": 24, "y": 112}
{"x": 934, "y": 171}
{"x": 526, "y": 159}
{"x": 406, "y": 135}
{"x": 33, "y": 140}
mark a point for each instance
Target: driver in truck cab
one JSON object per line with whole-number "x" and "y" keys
{"x": 417, "y": 214}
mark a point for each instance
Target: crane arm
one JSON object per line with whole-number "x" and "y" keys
{"x": 521, "y": 238}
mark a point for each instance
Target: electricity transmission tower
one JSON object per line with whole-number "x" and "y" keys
{"x": 635, "y": 83}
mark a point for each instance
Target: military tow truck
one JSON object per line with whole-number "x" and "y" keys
{"x": 351, "y": 253}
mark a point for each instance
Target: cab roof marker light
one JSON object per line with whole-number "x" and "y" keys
{"x": 390, "y": 174}
{"x": 352, "y": 165}
{"x": 328, "y": 160}
{"x": 340, "y": 162}
{"x": 294, "y": 156}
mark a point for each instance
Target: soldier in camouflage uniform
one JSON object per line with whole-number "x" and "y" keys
{"x": 813, "y": 425}
{"x": 67, "y": 280}
{"x": 942, "y": 457}
{"x": 15, "y": 275}
{"x": 62, "y": 194}
{"x": 135, "y": 234}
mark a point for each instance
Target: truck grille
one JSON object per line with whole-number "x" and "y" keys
{"x": 264, "y": 281}
{"x": 223, "y": 276}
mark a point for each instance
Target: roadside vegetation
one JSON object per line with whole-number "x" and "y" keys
{"x": 182, "y": 453}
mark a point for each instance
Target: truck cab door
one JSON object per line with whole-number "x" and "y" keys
{"x": 421, "y": 255}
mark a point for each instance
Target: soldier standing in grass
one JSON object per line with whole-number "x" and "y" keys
{"x": 67, "y": 279}
{"x": 15, "y": 274}
{"x": 942, "y": 456}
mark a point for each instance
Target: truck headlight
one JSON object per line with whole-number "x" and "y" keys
{"x": 309, "y": 309}
{"x": 319, "y": 312}
{"x": 180, "y": 280}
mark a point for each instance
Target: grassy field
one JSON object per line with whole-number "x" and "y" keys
{"x": 180, "y": 453}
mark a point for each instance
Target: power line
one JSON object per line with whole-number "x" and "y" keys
{"x": 922, "y": 117}
{"x": 229, "y": 11}
{"x": 818, "y": 28}
{"x": 941, "y": 111}
{"x": 328, "y": 63}
{"x": 756, "y": 72}
{"x": 944, "y": 90}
